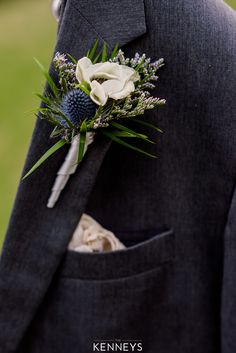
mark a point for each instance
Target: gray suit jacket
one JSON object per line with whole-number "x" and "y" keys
{"x": 174, "y": 288}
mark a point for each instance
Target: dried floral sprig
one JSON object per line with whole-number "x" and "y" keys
{"x": 66, "y": 72}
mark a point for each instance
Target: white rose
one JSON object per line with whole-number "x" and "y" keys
{"x": 107, "y": 80}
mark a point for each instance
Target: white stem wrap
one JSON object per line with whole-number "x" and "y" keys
{"x": 68, "y": 167}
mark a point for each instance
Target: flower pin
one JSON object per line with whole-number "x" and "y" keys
{"x": 96, "y": 94}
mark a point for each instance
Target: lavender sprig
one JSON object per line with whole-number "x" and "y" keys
{"x": 66, "y": 72}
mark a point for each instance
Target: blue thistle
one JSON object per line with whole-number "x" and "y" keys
{"x": 77, "y": 106}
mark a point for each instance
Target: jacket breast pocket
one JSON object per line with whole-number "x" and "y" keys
{"x": 142, "y": 257}
{"x": 121, "y": 295}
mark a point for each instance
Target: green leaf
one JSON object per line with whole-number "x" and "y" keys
{"x": 138, "y": 135}
{"x": 139, "y": 65}
{"x": 46, "y": 155}
{"x": 140, "y": 82}
{"x": 43, "y": 110}
{"x": 48, "y": 114}
{"x": 115, "y": 50}
{"x": 72, "y": 58}
{"x": 98, "y": 113}
{"x": 49, "y": 79}
{"x": 122, "y": 134}
{"x": 124, "y": 128}
{"x": 93, "y": 50}
{"x": 83, "y": 130}
{"x": 66, "y": 119}
{"x": 145, "y": 123}
{"x": 57, "y": 131}
{"x": 104, "y": 52}
{"x": 118, "y": 140}
{"x": 84, "y": 86}
{"x": 44, "y": 99}
{"x": 97, "y": 58}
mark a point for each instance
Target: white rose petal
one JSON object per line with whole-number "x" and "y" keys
{"x": 135, "y": 77}
{"x": 113, "y": 86}
{"x": 128, "y": 73}
{"x": 106, "y": 71}
{"x": 97, "y": 94}
{"x": 82, "y": 69}
{"x": 127, "y": 89}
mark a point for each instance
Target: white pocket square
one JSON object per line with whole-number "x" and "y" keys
{"x": 90, "y": 236}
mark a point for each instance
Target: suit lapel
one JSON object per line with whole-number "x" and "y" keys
{"x": 37, "y": 237}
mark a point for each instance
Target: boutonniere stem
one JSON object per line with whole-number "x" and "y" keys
{"x": 68, "y": 167}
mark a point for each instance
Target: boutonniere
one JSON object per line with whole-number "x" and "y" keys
{"x": 96, "y": 94}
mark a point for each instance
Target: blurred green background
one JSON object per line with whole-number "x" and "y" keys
{"x": 27, "y": 30}
{"x": 232, "y": 3}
